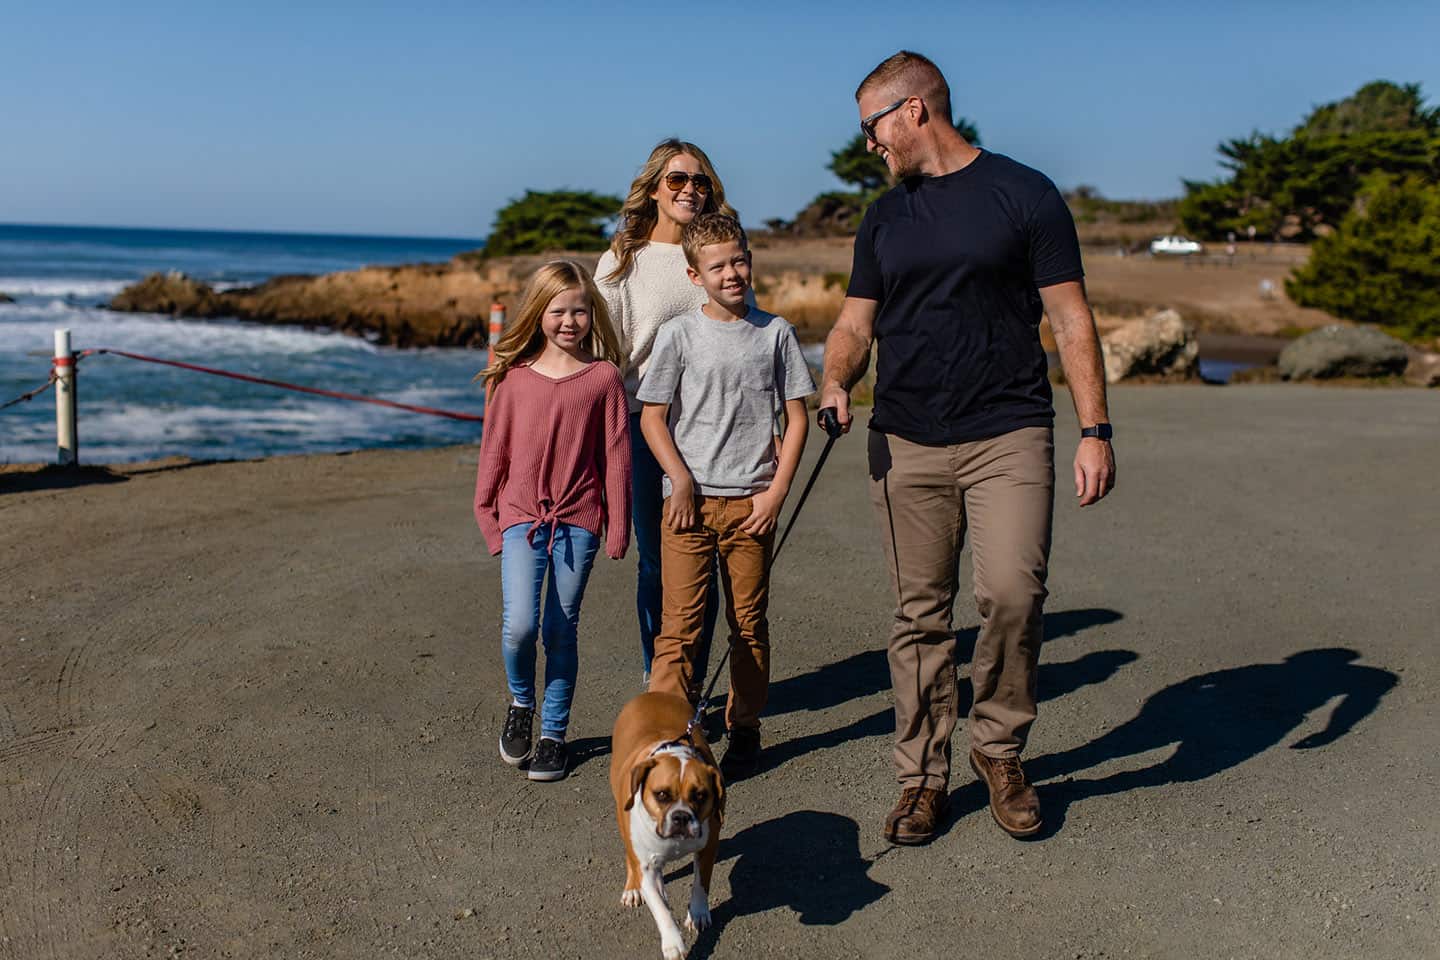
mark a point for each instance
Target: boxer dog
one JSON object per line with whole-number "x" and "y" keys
{"x": 669, "y": 803}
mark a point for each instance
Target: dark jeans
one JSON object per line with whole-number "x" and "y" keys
{"x": 647, "y": 510}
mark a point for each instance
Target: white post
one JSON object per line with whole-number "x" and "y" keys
{"x": 66, "y": 439}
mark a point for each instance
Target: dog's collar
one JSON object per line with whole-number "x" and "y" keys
{"x": 681, "y": 748}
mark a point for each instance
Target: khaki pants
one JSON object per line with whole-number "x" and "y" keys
{"x": 925, "y": 497}
{"x": 685, "y": 563}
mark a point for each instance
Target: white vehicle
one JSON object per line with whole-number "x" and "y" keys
{"x": 1174, "y": 244}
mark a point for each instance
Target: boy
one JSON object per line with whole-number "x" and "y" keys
{"x": 716, "y": 377}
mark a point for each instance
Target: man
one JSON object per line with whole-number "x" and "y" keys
{"x": 953, "y": 268}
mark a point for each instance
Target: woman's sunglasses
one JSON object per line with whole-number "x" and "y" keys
{"x": 676, "y": 180}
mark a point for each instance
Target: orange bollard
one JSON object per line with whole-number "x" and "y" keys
{"x": 497, "y": 326}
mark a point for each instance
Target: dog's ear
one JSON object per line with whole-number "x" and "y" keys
{"x": 717, "y": 785}
{"x": 637, "y": 778}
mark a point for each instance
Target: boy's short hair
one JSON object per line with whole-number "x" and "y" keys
{"x": 708, "y": 229}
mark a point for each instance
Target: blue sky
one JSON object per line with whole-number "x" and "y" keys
{"x": 372, "y": 118}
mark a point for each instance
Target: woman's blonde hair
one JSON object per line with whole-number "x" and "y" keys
{"x": 639, "y": 213}
{"x": 523, "y": 338}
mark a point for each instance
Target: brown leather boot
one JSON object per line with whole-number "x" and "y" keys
{"x": 1013, "y": 802}
{"x": 917, "y": 817}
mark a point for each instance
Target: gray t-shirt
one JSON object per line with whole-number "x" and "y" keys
{"x": 724, "y": 380}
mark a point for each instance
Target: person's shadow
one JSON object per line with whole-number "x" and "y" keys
{"x": 808, "y": 861}
{"x": 868, "y": 672}
{"x": 1219, "y": 720}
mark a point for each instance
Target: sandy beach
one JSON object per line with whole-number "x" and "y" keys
{"x": 250, "y": 709}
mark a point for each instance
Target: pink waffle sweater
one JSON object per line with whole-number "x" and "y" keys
{"x": 556, "y": 451}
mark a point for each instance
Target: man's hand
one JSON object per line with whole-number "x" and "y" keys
{"x": 847, "y": 355}
{"x": 837, "y": 397}
{"x": 680, "y": 508}
{"x": 764, "y": 512}
{"x": 1094, "y": 470}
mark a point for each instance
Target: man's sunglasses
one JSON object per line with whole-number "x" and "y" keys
{"x": 867, "y": 126}
{"x": 676, "y": 180}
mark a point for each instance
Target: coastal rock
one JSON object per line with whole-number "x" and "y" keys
{"x": 1423, "y": 369}
{"x": 173, "y": 293}
{"x": 6, "y": 298}
{"x": 1343, "y": 351}
{"x": 1162, "y": 346}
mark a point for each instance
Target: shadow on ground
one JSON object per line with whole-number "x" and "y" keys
{"x": 57, "y": 478}
{"x": 808, "y": 861}
{"x": 1216, "y": 721}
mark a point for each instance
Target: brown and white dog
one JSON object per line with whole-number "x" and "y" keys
{"x": 669, "y": 802}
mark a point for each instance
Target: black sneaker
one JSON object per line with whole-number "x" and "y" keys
{"x": 550, "y": 760}
{"x": 743, "y": 754}
{"x": 515, "y": 737}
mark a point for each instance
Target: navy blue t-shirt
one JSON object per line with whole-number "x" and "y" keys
{"x": 955, "y": 264}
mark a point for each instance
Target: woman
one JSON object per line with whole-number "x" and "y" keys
{"x": 642, "y": 278}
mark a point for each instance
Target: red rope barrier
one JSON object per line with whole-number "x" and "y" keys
{"x": 286, "y": 386}
{"x": 26, "y": 396}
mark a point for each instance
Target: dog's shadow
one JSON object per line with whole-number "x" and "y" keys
{"x": 808, "y": 861}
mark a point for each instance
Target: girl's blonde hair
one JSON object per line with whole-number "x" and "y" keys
{"x": 639, "y": 213}
{"x": 523, "y": 338}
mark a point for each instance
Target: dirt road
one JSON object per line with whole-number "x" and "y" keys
{"x": 250, "y": 710}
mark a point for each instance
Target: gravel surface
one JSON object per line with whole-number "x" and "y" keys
{"x": 251, "y": 710}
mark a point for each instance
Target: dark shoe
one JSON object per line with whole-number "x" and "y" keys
{"x": 515, "y": 736}
{"x": 742, "y": 756}
{"x": 1013, "y": 802}
{"x": 550, "y": 760}
{"x": 917, "y": 817}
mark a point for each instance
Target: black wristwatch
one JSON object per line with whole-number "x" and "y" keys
{"x": 1101, "y": 431}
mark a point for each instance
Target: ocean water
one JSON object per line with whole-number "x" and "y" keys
{"x": 59, "y": 277}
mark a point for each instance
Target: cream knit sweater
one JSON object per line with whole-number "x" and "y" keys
{"x": 654, "y": 289}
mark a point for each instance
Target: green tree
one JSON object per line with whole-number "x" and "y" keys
{"x": 1375, "y": 107}
{"x": 1382, "y": 265}
{"x": 552, "y": 220}
{"x": 1295, "y": 187}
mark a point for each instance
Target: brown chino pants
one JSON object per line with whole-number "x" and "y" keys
{"x": 925, "y": 497}
{"x": 685, "y": 561}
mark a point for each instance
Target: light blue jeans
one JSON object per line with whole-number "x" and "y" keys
{"x": 647, "y": 505}
{"x": 522, "y": 575}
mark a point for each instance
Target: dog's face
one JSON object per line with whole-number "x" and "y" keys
{"x": 679, "y": 792}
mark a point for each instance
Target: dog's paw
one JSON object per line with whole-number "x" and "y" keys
{"x": 630, "y": 898}
{"x": 698, "y": 918}
{"x": 672, "y": 949}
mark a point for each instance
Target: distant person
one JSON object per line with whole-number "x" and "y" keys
{"x": 715, "y": 377}
{"x": 642, "y": 277}
{"x": 553, "y": 480}
{"x": 953, "y": 269}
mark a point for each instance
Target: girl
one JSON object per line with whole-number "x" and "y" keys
{"x": 554, "y": 476}
{"x": 642, "y": 277}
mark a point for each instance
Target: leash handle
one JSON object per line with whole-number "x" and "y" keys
{"x": 829, "y": 421}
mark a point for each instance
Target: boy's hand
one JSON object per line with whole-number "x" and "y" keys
{"x": 680, "y": 508}
{"x": 764, "y": 512}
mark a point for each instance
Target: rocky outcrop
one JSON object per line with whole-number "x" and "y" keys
{"x": 1423, "y": 369}
{"x": 417, "y": 305}
{"x": 1160, "y": 347}
{"x": 173, "y": 293}
{"x": 1343, "y": 351}
{"x": 6, "y": 298}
